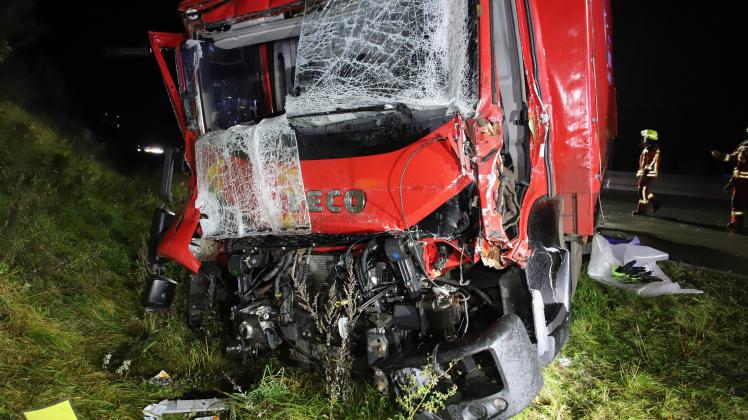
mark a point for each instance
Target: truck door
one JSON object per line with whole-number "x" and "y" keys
{"x": 175, "y": 241}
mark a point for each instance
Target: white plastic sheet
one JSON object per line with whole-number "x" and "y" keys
{"x": 249, "y": 181}
{"x": 605, "y": 255}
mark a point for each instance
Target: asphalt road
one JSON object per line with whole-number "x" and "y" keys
{"x": 691, "y": 229}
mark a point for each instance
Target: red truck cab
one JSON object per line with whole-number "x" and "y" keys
{"x": 449, "y": 154}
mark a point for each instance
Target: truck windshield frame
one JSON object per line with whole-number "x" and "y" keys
{"x": 245, "y": 84}
{"x": 421, "y": 54}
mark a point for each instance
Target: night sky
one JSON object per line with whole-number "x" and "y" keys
{"x": 678, "y": 70}
{"x": 676, "y": 66}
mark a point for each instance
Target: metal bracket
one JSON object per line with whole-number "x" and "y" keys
{"x": 210, "y": 405}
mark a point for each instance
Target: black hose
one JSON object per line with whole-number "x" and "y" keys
{"x": 357, "y": 270}
{"x": 363, "y": 266}
{"x": 276, "y": 283}
{"x": 374, "y": 298}
{"x": 281, "y": 265}
{"x": 270, "y": 274}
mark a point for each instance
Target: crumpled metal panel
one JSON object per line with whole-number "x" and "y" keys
{"x": 355, "y": 54}
{"x": 202, "y": 12}
{"x": 249, "y": 181}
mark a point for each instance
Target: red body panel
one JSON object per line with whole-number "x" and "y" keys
{"x": 424, "y": 188}
{"x": 574, "y": 56}
{"x": 176, "y": 240}
{"x": 538, "y": 114}
{"x": 213, "y": 11}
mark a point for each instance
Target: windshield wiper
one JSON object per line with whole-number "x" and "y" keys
{"x": 398, "y": 107}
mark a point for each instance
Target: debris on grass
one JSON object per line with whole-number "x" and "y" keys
{"x": 161, "y": 379}
{"x": 106, "y": 361}
{"x": 164, "y": 407}
{"x": 60, "y": 411}
{"x": 632, "y": 267}
{"x": 564, "y": 362}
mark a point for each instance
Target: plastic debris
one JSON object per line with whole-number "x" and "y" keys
{"x": 249, "y": 181}
{"x": 633, "y": 267}
{"x": 564, "y": 362}
{"x": 59, "y": 411}
{"x": 210, "y": 405}
{"x": 162, "y": 378}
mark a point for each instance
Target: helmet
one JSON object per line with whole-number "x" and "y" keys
{"x": 650, "y": 135}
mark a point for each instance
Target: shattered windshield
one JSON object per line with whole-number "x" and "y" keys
{"x": 357, "y": 54}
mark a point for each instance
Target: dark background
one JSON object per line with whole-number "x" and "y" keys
{"x": 677, "y": 66}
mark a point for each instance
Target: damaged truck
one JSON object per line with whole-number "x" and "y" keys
{"x": 387, "y": 185}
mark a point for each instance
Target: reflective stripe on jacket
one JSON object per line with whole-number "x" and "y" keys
{"x": 649, "y": 162}
{"x": 740, "y": 158}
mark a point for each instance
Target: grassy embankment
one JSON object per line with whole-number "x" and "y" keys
{"x": 70, "y": 231}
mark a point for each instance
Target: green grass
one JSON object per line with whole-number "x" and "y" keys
{"x": 287, "y": 393}
{"x": 663, "y": 357}
{"x": 70, "y": 233}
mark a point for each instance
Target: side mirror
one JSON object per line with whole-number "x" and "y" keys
{"x": 159, "y": 293}
{"x": 162, "y": 219}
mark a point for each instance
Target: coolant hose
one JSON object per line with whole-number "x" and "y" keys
{"x": 363, "y": 266}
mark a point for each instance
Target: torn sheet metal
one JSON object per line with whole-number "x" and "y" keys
{"x": 375, "y": 52}
{"x": 249, "y": 181}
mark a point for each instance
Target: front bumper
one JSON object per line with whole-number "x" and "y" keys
{"x": 516, "y": 361}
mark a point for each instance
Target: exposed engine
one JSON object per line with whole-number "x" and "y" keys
{"x": 374, "y": 294}
{"x": 279, "y": 292}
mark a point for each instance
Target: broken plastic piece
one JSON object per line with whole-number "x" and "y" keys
{"x": 249, "y": 181}
{"x": 157, "y": 411}
{"x": 59, "y": 411}
{"x": 162, "y": 378}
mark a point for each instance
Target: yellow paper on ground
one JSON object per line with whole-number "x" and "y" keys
{"x": 61, "y": 411}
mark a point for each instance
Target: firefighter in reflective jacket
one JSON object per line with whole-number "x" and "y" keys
{"x": 738, "y": 185}
{"x": 649, "y": 168}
